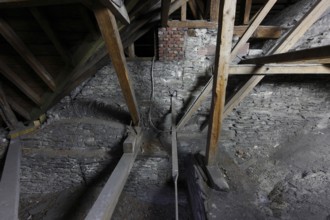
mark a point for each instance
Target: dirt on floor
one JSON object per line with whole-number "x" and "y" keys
{"x": 292, "y": 182}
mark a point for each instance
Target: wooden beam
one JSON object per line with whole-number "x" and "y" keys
{"x": 285, "y": 44}
{"x": 6, "y": 112}
{"x": 262, "y": 32}
{"x": 165, "y": 11}
{"x": 194, "y": 9}
{"x": 206, "y": 90}
{"x": 131, "y": 51}
{"x": 34, "y": 3}
{"x": 119, "y": 11}
{"x": 46, "y": 27}
{"x": 214, "y": 10}
{"x": 110, "y": 33}
{"x": 184, "y": 10}
{"x": 106, "y": 202}
{"x": 86, "y": 17}
{"x": 8, "y": 33}
{"x": 7, "y": 72}
{"x": 251, "y": 69}
{"x": 312, "y": 54}
{"x": 19, "y": 109}
{"x": 10, "y": 181}
{"x": 222, "y": 59}
{"x": 252, "y": 27}
{"x": 246, "y": 11}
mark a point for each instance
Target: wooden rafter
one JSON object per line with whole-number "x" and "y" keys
{"x": 313, "y": 54}
{"x": 248, "y": 69}
{"x": 285, "y": 44}
{"x": 246, "y": 11}
{"x": 110, "y": 33}
{"x": 119, "y": 11}
{"x": 7, "y": 72}
{"x": 12, "y": 38}
{"x": 46, "y": 27}
{"x": 34, "y": 3}
{"x": 184, "y": 10}
{"x": 252, "y": 27}
{"x": 222, "y": 59}
{"x": 6, "y": 112}
{"x": 262, "y": 32}
{"x": 165, "y": 11}
{"x": 214, "y": 10}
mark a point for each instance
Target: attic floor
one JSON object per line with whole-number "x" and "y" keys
{"x": 291, "y": 182}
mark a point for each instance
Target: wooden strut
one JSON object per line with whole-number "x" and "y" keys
{"x": 247, "y": 34}
{"x": 110, "y": 33}
{"x": 106, "y": 202}
{"x": 222, "y": 59}
{"x": 6, "y": 112}
{"x": 10, "y": 182}
{"x": 315, "y": 55}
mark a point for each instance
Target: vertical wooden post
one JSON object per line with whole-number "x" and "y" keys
{"x": 131, "y": 51}
{"x": 184, "y": 10}
{"x": 110, "y": 33}
{"x": 246, "y": 11}
{"x": 214, "y": 10}
{"x": 165, "y": 11}
{"x": 223, "y": 51}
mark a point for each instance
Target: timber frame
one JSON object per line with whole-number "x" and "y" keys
{"x": 109, "y": 27}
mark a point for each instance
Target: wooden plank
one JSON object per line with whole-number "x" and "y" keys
{"x": 7, "y": 72}
{"x": 119, "y": 11}
{"x": 248, "y": 69}
{"x": 46, "y": 27}
{"x": 312, "y": 54}
{"x": 10, "y": 182}
{"x": 262, "y": 32}
{"x": 252, "y": 27}
{"x": 6, "y": 112}
{"x": 222, "y": 59}
{"x": 34, "y": 3}
{"x": 165, "y": 11}
{"x": 214, "y": 10}
{"x": 184, "y": 10}
{"x": 8, "y": 33}
{"x": 110, "y": 33}
{"x": 106, "y": 202}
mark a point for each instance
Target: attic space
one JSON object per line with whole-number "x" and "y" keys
{"x": 164, "y": 109}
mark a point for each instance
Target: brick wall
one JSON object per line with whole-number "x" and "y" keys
{"x": 171, "y": 43}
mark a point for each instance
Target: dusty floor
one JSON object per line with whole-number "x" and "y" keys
{"x": 291, "y": 182}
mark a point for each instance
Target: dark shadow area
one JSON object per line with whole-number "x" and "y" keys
{"x": 3, "y": 161}
{"x": 100, "y": 110}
